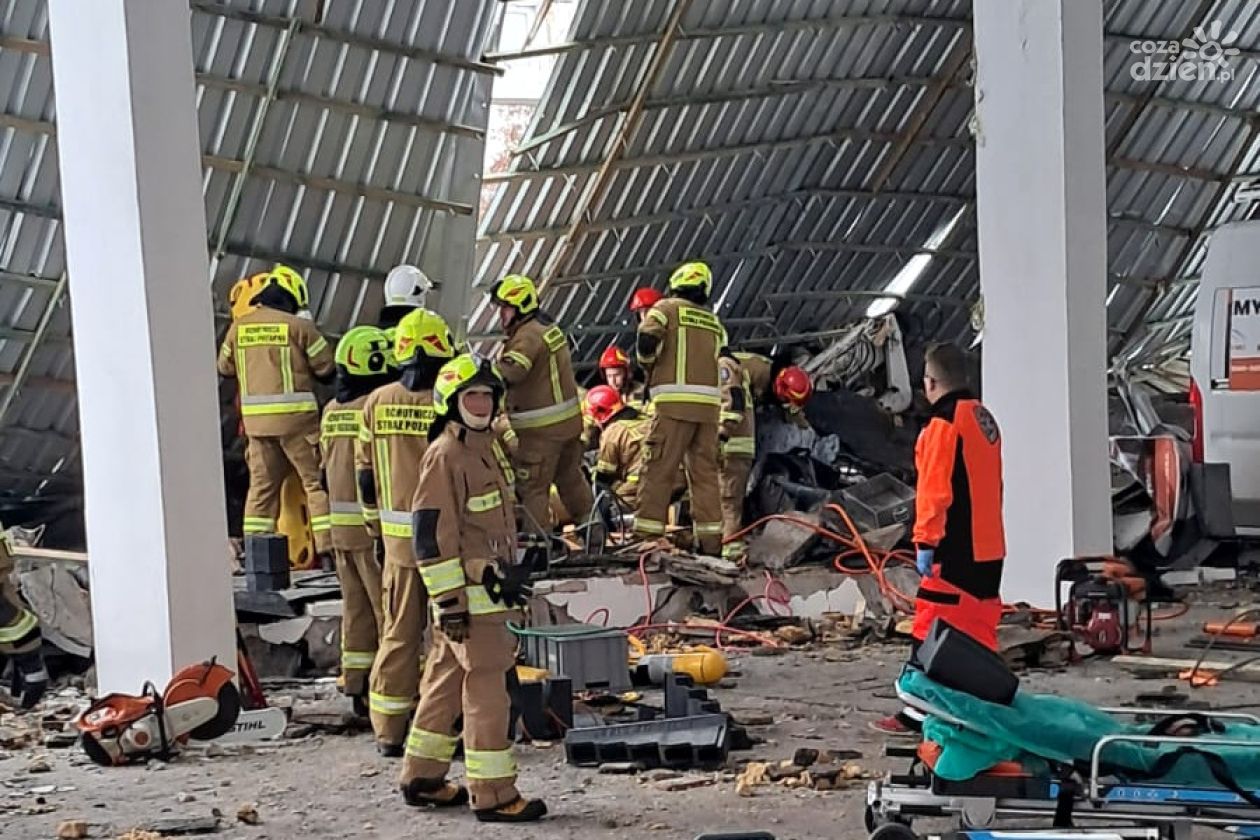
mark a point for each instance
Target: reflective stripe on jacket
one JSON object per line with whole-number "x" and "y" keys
{"x": 275, "y": 358}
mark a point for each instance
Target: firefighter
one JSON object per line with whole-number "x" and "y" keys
{"x": 394, "y": 436}
{"x": 775, "y": 383}
{"x": 960, "y": 543}
{"x": 542, "y": 402}
{"x": 622, "y": 430}
{"x": 20, "y": 639}
{"x": 465, "y": 538}
{"x": 678, "y": 343}
{"x": 276, "y": 358}
{"x": 365, "y": 362}
{"x": 614, "y": 369}
{"x": 643, "y": 300}
{"x": 406, "y": 288}
{"x": 738, "y": 444}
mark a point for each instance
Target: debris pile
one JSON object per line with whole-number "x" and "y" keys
{"x": 807, "y": 768}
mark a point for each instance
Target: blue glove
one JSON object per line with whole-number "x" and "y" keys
{"x": 923, "y": 560}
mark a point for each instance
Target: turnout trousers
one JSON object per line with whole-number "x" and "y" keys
{"x": 469, "y": 678}
{"x": 400, "y": 654}
{"x": 542, "y": 461}
{"x": 362, "y": 616}
{"x": 735, "y": 470}
{"x": 269, "y": 460}
{"x": 670, "y": 442}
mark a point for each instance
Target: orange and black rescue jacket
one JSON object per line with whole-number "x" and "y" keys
{"x": 958, "y": 505}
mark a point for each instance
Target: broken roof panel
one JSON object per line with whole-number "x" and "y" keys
{"x": 341, "y": 145}
{"x": 808, "y": 149}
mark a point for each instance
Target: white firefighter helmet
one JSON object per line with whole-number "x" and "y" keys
{"x": 406, "y": 285}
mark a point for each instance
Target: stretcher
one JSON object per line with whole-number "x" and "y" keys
{"x": 1155, "y": 781}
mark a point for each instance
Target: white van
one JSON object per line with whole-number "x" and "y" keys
{"x": 1225, "y": 365}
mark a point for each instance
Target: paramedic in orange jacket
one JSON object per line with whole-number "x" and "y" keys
{"x": 958, "y": 535}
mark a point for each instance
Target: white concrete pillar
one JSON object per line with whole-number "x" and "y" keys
{"x": 135, "y": 234}
{"x": 1041, "y": 193}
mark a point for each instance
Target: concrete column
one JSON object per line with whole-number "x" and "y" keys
{"x": 144, "y": 348}
{"x": 1041, "y": 193}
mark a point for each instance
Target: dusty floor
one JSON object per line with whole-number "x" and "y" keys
{"x": 336, "y": 786}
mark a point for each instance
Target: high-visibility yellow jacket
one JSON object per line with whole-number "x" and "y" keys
{"x": 339, "y": 434}
{"x": 683, "y": 367}
{"x": 275, "y": 358}
{"x": 392, "y": 440}
{"x": 464, "y": 518}
{"x": 542, "y": 394}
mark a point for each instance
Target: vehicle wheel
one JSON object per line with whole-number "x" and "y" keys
{"x": 894, "y": 831}
{"x": 869, "y": 819}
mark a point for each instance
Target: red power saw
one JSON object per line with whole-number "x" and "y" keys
{"x": 200, "y": 702}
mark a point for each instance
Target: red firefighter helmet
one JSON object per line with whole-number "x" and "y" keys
{"x": 644, "y": 299}
{"x": 793, "y": 386}
{"x": 602, "y": 403}
{"x": 614, "y": 357}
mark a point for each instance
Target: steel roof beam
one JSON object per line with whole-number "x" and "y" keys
{"x": 594, "y": 276}
{"x": 39, "y": 334}
{"x": 1183, "y": 105}
{"x": 30, "y": 208}
{"x": 862, "y": 248}
{"x": 318, "y": 182}
{"x": 29, "y": 337}
{"x": 841, "y": 135}
{"x": 921, "y": 111}
{"x": 831, "y": 294}
{"x": 33, "y": 280}
{"x": 46, "y": 383}
{"x": 1220, "y": 193}
{"x": 342, "y": 106}
{"x": 773, "y": 89}
{"x": 260, "y": 252}
{"x": 818, "y": 24}
{"x": 1128, "y": 38}
{"x": 1154, "y": 227}
{"x": 769, "y": 250}
{"x": 593, "y": 196}
{"x": 727, "y": 207}
{"x": 33, "y": 47}
{"x": 320, "y": 30}
{"x": 1176, "y": 170}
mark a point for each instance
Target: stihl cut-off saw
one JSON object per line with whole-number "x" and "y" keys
{"x": 200, "y": 703}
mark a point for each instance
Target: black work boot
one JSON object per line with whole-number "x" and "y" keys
{"x": 519, "y": 810}
{"x": 390, "y": 750}
{"x": 30, "y": 678}
{"x": 433, "y": 793}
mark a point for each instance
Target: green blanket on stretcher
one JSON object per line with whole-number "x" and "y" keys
{"x": 1037, "y": 728}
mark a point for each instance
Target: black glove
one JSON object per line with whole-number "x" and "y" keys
{"x": 454, "y": 626}
{"x": 511, "y": 589}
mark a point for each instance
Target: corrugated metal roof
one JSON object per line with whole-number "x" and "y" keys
{"x": 807, "y": 149}
{"x": 342, "y": 146}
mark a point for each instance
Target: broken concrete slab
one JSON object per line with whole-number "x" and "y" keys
{"x": 178, "y": 826}
{"x": 323, "y": 643}
{"x": 286, "y": 632}
{"x": 325, "y": 609}
{"x": 782, "y": 544}
{"x": 271, "y": 660}
{"x": 621, "y": 595}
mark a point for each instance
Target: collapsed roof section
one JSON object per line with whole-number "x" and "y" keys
{"x": 816, "y": 153}
{"x": 341, "y": 138}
